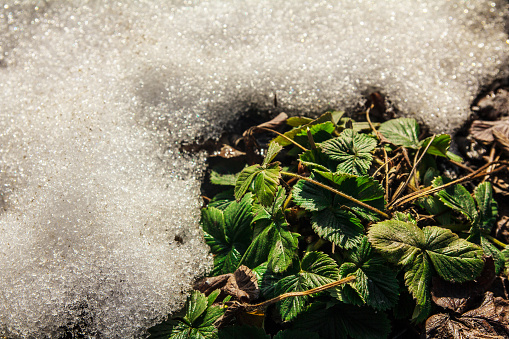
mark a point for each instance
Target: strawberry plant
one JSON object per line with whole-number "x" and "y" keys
{"x": 347, "y": 229}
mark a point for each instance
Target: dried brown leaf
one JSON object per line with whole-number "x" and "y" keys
{"x": 274, "y": 123}
{"x": 241, "y": 284}
{"x": 460, "y": 297}
{"x": 502, "y": 138}
{"x": 489, "y": 320}
{"x": 483, "y": 130}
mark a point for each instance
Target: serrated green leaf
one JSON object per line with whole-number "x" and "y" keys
{"x": 459, "y": 199}
{"x": 351, "y": 150}
{"x": 365, "y": 189}
{"x": 217, "y": 178}
{"x": 487, "y": 206}
{"x": 331, "y": 218}
{"x": 273, "y": 243}
{"x": 490, "y": 250}
{"x": 296, "y": 334}
{"x": 401, "y": 132}
{"x": 454, "y": 157}
{"x": 375, "y": 282}
{"x": 439, "y": 146}
{"x": 319, "y": 132}
{"x": 341, "y": 227}
{"x": 266, "y": 182}
{"x": 228, "y": 233}
{"x": 244, "y": 332}
{"x": 270, "y": 212}
{"x": 244, "y": 180}
{"x": 196, "y": 304}
{"x": 316, "y": 159}
{"x": 274, "y": 149}
{"x": 222, "y": 200}
{"x": 341, "y": 321}
{"x": 417, "y": 250}
{"x": 317, "y": 269}
{"x": 292, "y": 133}
{"x": 198, "y": 321}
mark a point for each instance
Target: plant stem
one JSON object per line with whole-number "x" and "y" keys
{"x": 496, "y": 241}
{"x": 430, "y": 190}
{"x": 341, "y": 194}
{"x": 414, "y": 168}
{"x": 284, "y": 137}
{"x": 303, "y": 293}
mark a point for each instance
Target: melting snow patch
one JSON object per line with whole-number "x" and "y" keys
{"x": 96, "y": 97}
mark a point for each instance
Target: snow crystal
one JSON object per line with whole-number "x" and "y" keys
{"x": 97, "y": 96}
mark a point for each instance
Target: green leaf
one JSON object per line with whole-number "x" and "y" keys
{"x": 296, "y": 334}
{"x": 332, "y": 217}
{"x": 228, "y": 233}
{"x": 274, "y": 149}
{"x": 222, "y": 200}
{"x": 319, "y": 132}
{"x": 298, "y": 121}
{"x": 401, "y": 132}
{"x": 265, "y": 179}
{"x": 341, "y": 227}
{"x": 292, "y": 133}
{"x": 491, "y": 250}
{"x": 316, "y": 159}
{"x": 273, "y": 243}
{"x": 341, "y": 321}
{"x": 375, "y": 282}
{"x": 422, "y": 252}
{"x": 317, "y": 269}
{"x": 352, "y": 151}
{"x": 270, "y": 212}
{"x": 459, "y": 199}
{"x": 217, "y": 178}
{"x": 266, "y": 183}
{"x": 198, "y": 321}
{"x": 487, "y": 206}
{"x": 439, "y": 146}
{"x": 244, "y": 332}
{"x": 245, "y": 179}
{"x": 365, "y": 189}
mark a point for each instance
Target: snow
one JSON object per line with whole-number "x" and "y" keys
{"x": 96, "y": 97}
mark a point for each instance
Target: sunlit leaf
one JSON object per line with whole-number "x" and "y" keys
{"x": 424, "y": 252}
{"x": 458, "y": 198}
{"x": 274, "y": 149}
{"x": 292, "y": 133}
{"x": 351, "y": 150}
{"x": 198, "y": 321}
{"x": 273, "y": 242}
{"x": 439, "y": 146}
{"x": 228, "y": 233}
{"x": 401, "y": 132}
{"x": 265, "y": 180}
{"x": 316, "y": 269}
{"x": 487, "y": 206}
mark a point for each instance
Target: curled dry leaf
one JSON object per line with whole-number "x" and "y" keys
{"x": 483, "y": 130}
{"x": 490, "y": 320}
{"x": 460, "y": 297}
{"x": 241, "y": 284}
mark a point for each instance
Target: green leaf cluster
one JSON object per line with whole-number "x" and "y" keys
{"x": 312, "y": 213}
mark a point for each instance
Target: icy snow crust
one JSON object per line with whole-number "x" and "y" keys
{"x": 95, "y": 98}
